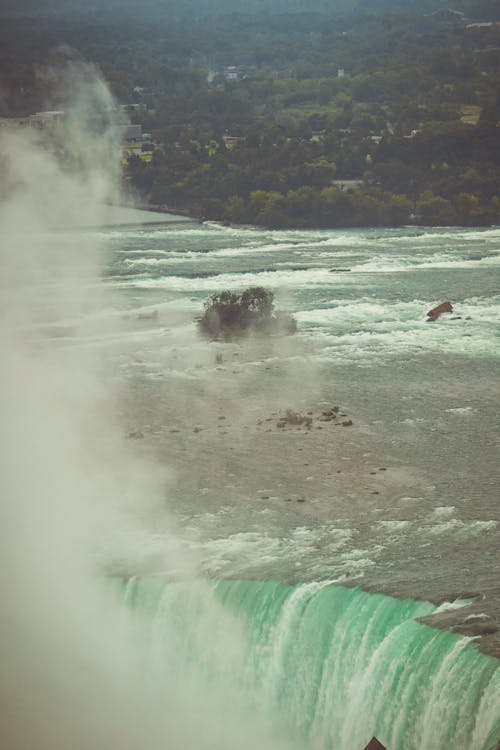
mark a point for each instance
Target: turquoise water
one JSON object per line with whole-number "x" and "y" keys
{"x": 332, "y": 666}
{"x": 261, "y": 629}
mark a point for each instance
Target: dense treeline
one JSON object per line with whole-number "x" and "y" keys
{"x": 403, "y": 102}
{"x": 291, "y": 59}
{"x": 445, "y": 174}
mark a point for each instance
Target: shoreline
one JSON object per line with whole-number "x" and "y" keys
{"x": 190, "y": 214}
{"x": 161, "y": 209}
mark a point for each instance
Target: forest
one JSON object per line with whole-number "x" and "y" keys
{"x": 354, "y": 113}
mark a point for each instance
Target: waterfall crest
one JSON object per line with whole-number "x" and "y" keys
{"x": 334, "y": 666}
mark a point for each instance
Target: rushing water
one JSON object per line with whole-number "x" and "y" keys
{"x": 337, "y": 665}
{"x": 425, "y": 393}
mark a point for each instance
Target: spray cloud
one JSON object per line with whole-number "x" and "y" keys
{"x": 73, "y": 671}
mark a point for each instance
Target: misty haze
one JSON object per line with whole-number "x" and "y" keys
{"x": 249, "y": 326}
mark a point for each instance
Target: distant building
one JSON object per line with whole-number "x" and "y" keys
{"x": 470, "y": 114}
{"x": 412, "y": 134}
{"x": 340, "y": 73}
{"x": 346, "y": 185}
{"x": 129, "y": 133}
{"x": 317, "y": 136}
{"x": 14, "y": 122}
{"x": 230, "y": 141}
{"x": 40, "y": 119}
{"x": 231, "y": 73}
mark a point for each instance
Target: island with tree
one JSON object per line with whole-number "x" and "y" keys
{"x": 228, "y": 315}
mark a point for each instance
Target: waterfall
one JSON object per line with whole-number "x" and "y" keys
{"x": 333, "y": 666}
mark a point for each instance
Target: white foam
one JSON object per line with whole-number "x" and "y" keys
{"x": 366, "y": 310}
{"x": 455, "y": 235}
{"x": 298, "y": 247}
{"x": 393, "y": 526}
{"x": 395, "y": 335}
{"x": 400, "y": 264}
{"x": 443, "y": 511}
{"x": 481, "y": 616}
{"x": 461, "y": 528}
{"x": 450, "y": 606}
{"x": 316, "y": 551}
{"x": 273, "y": 280}
{"x": 141, "y": 261}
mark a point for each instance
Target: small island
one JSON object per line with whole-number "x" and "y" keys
{"x": 228, "y": 315}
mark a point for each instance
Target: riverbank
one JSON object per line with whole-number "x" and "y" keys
{"x": 125, "y": 215}
{"x": 352, "y": 209}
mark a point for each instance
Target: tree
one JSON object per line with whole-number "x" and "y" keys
{"x": 235, "y": 212}
{"x": 227, "y": 315}
{"x": 468, "y": 208}
{"x": 433, "y": 210}
{"x": 222, "y": 314}
{"x": 266, "y": 208}
{"x": 257, "y": 302}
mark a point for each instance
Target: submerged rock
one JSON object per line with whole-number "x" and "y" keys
{"x": 374, "y": 744}
{"x": 135, "y": 435}
{"x": 148, "y": 315}
{"x": 294, "y": 418}
{"x": 476, "y": 628}
{"x": 434, "y": 314}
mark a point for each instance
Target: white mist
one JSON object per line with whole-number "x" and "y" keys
{"x": 76, "y": 673}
